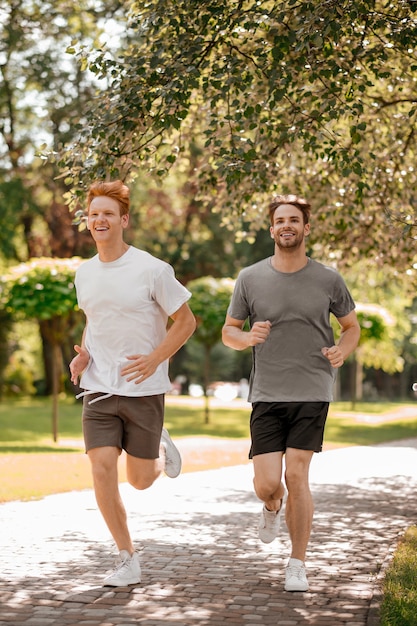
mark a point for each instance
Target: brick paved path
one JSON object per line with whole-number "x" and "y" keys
{"x": 202, "y": 562}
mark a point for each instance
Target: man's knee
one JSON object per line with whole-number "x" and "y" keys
{"x": 103, "y": 462}
{"x": 296, "y": 477}
{"x": 266, "y": 487}
{"x": 141, "y": 482}
{"x": 297, "y": 466}
{"x": 142, "y": 473}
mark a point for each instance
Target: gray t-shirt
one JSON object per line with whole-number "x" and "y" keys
{"x": 289, "y": 366}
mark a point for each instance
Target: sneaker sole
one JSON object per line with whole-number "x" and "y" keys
{"x": 293, "y": 589}
{"x": 174, "y": 454}
{"x": 132, "y": 581}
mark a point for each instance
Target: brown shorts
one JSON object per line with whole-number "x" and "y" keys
{"x": 276, "y": 426}
{"x": 131, "y": 424}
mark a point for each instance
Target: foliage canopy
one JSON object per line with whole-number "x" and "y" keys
{"x": 312, "y": 97}
{"x": 41, "y": 289}
{"x": 209, "y": 301}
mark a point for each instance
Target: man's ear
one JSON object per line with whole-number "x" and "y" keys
{"x": 125, "y": 220}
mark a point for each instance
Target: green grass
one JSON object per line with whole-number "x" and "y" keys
{"x": 399, "y": 605}
{"x": 368, "y": 408}
{"x": 350, "y": 432}
{"x": 26, "y": 424}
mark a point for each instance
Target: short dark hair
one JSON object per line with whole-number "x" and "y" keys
{"x": 296, "y": 201}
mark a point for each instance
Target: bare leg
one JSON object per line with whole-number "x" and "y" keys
{"x": 268, "y": 479}
{"x": 299, "y": 509}
{"x": 141, "y": 474}
{"x": 106, "y": 487}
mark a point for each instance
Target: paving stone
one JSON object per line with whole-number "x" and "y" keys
{"x": 202, "y": 562}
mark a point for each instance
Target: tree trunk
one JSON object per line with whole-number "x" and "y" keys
{"x": 56, "y": 371}
{"x": 53, "y": 331}
{"x": 207, "y": 352}
{"x": 356, "y": 382}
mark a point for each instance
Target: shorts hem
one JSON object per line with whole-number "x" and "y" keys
{"x": 251, "y": 454}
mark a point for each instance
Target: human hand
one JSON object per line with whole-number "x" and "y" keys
{"x": 141, "y": 366}
{"x": 259, "y": 332}
{"x": 334, "y": 355}
{"x": 78, "y": 363}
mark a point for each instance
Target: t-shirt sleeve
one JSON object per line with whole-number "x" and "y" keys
{"x": 168, "y": 292}
{"x": 342, "y": 302}
{"x": 238, "y": 307}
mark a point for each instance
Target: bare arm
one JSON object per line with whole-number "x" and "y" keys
{"x": 349, "y": 339}
{"x": 79, "y": 362}
{"x": 142, "y": 366}
{"x": 235, "y": 337}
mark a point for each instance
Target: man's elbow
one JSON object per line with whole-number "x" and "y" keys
{"x": 189, "y": 325}
{"x": 224, "y": 340}
{"x": 358, "y": 336}
{"x": 227, "y": 338}
{"x": 193, "y": 325}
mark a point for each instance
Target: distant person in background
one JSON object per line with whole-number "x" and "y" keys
{"x": 288, "y": 299}
{"x": 127, "y": 296}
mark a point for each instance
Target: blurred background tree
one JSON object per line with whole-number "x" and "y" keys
{"x": 43, "y": 94}
{"x": 209, "y": 301}
{"x": 43, "y": 290}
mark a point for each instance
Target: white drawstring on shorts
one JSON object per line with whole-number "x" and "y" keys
{"x": 88, "y": 393}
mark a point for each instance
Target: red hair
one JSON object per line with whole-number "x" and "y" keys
{"x": 115, "y": 189}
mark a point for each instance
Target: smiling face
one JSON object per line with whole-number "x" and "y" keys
{"x": 288, "y": 229}
{"x": 105, "y": 222}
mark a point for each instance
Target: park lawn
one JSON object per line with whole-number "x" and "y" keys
{"x": 26, "y": 423}
{"x": 32, "y": 465}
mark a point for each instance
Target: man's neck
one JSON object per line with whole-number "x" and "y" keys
{"x": 289, "y": 261}
{"x": 107, "y": 254}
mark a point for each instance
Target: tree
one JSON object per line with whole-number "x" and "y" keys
{"x": 376, "y": 348}
{"x": 383, "y": 297}
{"x": 305, "y": 96}
{"x": 209, "y": 301}
{"x": 43, "y": 289}
{"x": 168, "y": 221}
{"x": 42, "y": 96}
{"x": 409, "y": 352}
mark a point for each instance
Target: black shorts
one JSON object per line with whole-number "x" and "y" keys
{"x": 131, "y": 424}
{"x": 276, "y": 426}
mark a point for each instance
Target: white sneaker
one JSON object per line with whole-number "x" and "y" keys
{"x": 269, "y": 524}
{"x": 295, "y": 576}
{"x": 173, "y": 461}
{"x": 126, "y": 573}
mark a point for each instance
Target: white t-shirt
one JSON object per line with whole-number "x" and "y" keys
{"x": 127, "y": 303}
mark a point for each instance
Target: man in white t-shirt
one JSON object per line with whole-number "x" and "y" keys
{"x": 288, "y": 299}
{"x": 127, "y": 296}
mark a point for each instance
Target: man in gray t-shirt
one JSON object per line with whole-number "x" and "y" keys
{"x": 288, "y": 299}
